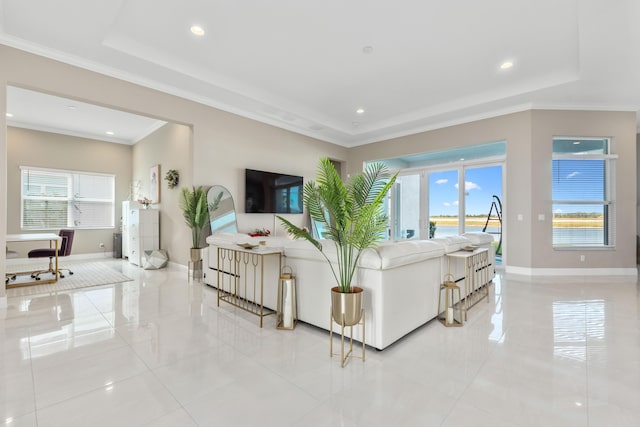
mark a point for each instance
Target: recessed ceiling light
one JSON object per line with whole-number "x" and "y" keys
{"x": 109, "y": 132}
{"x": 197, "y": 30}
{"x": 506, "y": 65}
{"x": 360, "y": 111}
{"x": 367, "y": 49}
{"x": 9, "y": 115}
{"x": 576, "y": 142}
{"x": 71, "y": 107}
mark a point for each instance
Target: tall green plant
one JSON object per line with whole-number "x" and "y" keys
{"x": 193, "y": 203}
{"x": 352, "y": 214}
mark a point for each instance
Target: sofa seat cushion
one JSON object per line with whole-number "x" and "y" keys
{"x": 452, "y": 243}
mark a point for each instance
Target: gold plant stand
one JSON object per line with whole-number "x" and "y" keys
{"x": 345, "y": 357}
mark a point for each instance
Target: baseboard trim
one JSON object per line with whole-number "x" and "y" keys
{"x": 524, "y": 271}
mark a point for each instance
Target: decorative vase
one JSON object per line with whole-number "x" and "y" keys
{"x": 346, "y": 307}
{"x": 196, "y": 254}
{"x": 196, "y": 263}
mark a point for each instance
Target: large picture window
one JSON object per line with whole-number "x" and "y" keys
{"x": 583, "y": 207}
{"x": 54, "y": 199}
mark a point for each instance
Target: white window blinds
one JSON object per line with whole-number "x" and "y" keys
{"x": 583, "y": 208}
{"x": 54, "y": 199}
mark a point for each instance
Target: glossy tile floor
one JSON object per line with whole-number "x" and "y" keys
{"x": 157, "y": 351}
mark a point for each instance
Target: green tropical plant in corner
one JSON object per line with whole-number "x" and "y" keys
{"x": 195, "y": 209}
{"x": 351, "y": 214}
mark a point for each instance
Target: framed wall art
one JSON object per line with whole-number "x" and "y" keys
{"x": 154, "y": 184}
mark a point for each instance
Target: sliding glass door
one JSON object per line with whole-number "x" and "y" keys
{"x": 483, "y": 201}
{"x": 444, "y": 196}
{"x": 406, "y": 214}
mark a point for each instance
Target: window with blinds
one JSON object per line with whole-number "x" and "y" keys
{"x": 54, "y": 199}
{"x": 583, "y": 207}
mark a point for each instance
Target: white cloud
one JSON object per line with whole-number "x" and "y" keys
{"x": 447, "y": 204}
{"x": 456, "y": 203}
{"x": 442, "y": 181}
{"x": 558, "y": 211}
{"x": 468, "y": 185}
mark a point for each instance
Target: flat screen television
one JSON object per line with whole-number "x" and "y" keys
{"x": 270, "y": 192}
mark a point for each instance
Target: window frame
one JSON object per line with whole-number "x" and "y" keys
{"x": 608, "y": 199}
{"x": 74, "y": 180}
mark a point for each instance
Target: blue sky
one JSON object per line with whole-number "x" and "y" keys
{"x": 578, "y": 180}
{"x": 481, "y": 184}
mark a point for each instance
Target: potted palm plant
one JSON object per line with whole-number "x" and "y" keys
{"x": 195, "y": 209}
{"x": 353, "y": 218}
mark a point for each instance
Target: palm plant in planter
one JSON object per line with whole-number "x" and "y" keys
{"x": 195, "y": 209}
{"x": 353, "y": 217}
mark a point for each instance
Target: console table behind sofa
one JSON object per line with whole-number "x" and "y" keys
{"x": 401, "y": 281}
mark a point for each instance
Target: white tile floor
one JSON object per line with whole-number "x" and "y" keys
{"x": 157, "y": 351}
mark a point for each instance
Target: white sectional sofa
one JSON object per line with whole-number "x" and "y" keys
{"x": 401, "y": 280}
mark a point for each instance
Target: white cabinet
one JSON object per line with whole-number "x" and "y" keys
{"x": 142, "y": 233}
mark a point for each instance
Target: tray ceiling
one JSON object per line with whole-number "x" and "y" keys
{"x": 310, "y": 66}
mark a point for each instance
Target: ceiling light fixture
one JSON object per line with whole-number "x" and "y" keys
{"x": 9, "y": 115}
{"x": 506, "y": 65}
{"x": 109, "y": 132}
{"x": 360, "y": 111}
{"x": 576, "y": 142}
{"x": 71, "y": 107}
{"x": 197, "y": 30}
{"x": 367, "y": 49}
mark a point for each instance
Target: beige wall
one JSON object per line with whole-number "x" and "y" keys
{"x": 169, "y": 147}
{"x": 237, "y": 143}
{"x": 513, "y": 128}
{"x": 621, "y": 127}
{"x": 3, "y": 183}
{"x": 528, "y": 178}
{"x": 50, "y": 150}
{"x": 223, "y": 144}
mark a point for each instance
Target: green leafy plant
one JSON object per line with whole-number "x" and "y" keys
{"x": 195, "y": 209}
{"x": 351, "y": 214}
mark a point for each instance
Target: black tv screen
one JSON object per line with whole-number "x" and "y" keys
{"x": 269, "y": 192}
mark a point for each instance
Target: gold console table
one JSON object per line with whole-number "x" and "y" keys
{"x": 241, "y": 276}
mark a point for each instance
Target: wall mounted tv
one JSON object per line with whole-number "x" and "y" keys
{"x": 269, "y": 192}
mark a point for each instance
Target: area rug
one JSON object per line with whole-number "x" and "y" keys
{"x": 85, "y": 274}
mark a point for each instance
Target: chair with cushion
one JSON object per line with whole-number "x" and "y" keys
{"x": 63, "y": 250}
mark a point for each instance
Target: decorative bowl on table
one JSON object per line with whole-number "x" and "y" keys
{"x": 247, "y": 245}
